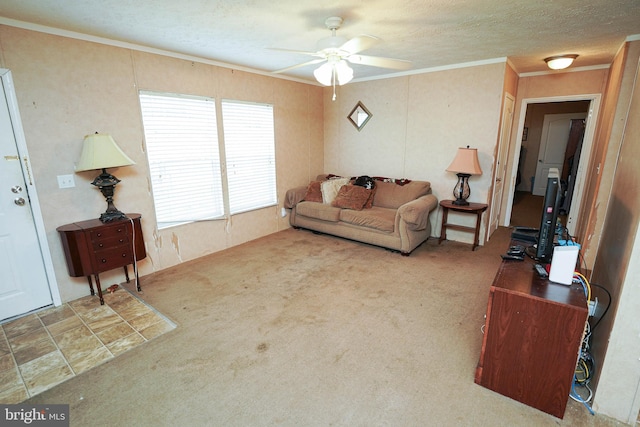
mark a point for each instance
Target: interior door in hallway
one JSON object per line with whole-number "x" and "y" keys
{"x": 501, "y": 164}
{"x": 553, "y": 143}
{"x": 24, "y": 283}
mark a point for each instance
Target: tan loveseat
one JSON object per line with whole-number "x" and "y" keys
{"x": 395, "y": 217}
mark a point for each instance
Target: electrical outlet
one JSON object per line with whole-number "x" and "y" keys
{"x": 593, "y": 306}
{"x": 66, "y": 181}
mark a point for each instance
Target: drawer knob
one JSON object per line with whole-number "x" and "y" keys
{"x": 124, "y": 255}
{"x": 101, "y": 245}
{"x": 99, "y": 234}
{"x": 104, "y": 260}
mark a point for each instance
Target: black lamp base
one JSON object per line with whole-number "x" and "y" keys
{"x": 462, "y": 191}
{"x": 112, "y": 216}
{"x": 460, "y": 202}
{"x": 107, "y": 184}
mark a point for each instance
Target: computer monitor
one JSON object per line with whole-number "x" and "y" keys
{"x": 552, "y": 196}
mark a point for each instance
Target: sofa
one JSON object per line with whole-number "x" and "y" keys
{"x": 393, "y": 214}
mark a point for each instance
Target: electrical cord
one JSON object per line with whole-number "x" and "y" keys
{"x": 135, "y": 257}
{"x": 585, "y": 284}
{"x": 606, "y": 309}
{"x": 585, "y": 367}
{"x": 575, "y": 396}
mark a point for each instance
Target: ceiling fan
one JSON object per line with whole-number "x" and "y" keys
{"x": 336, "y": 51}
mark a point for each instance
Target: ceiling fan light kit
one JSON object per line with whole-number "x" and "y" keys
{"x": 329, "y": 72}
{"x": 336, "y": 51}
{"x": 560, "y": 62}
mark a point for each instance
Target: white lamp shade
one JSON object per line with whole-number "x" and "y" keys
{"x": 324, "y": 73}
{"x": 560, "y": 62}
{"x": 466, "y": 161}
{"x": 344, "y": 72}
{"x": 100, "y": 151}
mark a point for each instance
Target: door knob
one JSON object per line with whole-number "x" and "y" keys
{"x": 19, "y": 201}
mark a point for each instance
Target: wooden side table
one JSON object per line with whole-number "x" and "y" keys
{"x": 473, "y": 208}
{"x": 92, "y": 247}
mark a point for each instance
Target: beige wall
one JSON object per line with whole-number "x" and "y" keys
{"x": 68, "y": 88}
{"x": 418, "y": 123}
{"x": 617, "y": 261}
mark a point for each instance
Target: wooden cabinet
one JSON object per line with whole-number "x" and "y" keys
{"x": 92, "y": 247}
{"x": 532, "y": 337}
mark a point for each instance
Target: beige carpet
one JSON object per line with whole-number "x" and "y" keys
{"x": 299, "y": 329}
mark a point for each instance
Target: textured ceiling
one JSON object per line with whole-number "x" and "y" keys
{"x": 430, "y": 33}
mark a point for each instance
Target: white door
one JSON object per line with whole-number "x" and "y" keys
{"x": 553, "y": 144}
{"x": 24, "y": 283}
{"x": 501, "y": 164}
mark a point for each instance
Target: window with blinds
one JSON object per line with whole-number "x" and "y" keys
{"x": 186, "y": 169}
{"x": 184, "y": 158}
{"x": 250, "y": 155}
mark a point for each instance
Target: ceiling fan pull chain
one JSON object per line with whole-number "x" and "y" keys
{"x": 333, "y": 79}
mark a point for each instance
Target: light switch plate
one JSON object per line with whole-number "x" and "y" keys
{"x": 66, "y": 181}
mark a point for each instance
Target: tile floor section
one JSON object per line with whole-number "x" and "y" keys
{"x": 46, "y": 348}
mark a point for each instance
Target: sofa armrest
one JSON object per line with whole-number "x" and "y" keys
{"x": 416, "y": 212}
{"x": 294, "y": 196}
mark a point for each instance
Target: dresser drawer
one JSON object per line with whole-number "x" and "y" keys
{"x": 114, "y": 231}
{"x": 110, "y": 242}
{"x": 113, "y": 257}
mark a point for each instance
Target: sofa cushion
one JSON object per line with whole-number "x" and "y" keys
{"x": 381, "y": 219}
{"x": 331, "y": 187}
{"x": 391, "y": 195}
{"x": 352, "y": 197}
{"x": 318, "y": 211}
{"x": 314, "y": 193}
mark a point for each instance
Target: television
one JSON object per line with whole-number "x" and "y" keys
{"x": 552, "y": 197}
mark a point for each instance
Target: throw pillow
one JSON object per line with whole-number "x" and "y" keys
{"x": 330, "y": 189}
{"x": 352, "y": 197}
{"x": 372, "y": 194}
{"x": 314, "y": 193}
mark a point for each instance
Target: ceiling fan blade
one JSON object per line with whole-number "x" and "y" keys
{"x": 313, "y": 61}
{"x": 301, "y": 52}
{"x": 359, "y": 43}
{"x": 376, "y": 61}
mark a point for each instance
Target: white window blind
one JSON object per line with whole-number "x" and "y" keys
{"x": 250, "y": 155}
{"x": 184, "y": 159}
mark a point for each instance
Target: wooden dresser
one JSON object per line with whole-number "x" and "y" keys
{"x": 532, "y": 336}
{"x": 92, "y": 247}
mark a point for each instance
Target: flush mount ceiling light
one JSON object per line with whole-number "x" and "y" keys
{"x": 560, "y": 62}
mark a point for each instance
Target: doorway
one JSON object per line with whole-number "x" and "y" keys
{"x": 27, "y": 279}
{"x": 525, "y": 154}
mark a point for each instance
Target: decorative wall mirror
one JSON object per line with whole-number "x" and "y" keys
{"x": 359, "y": 116}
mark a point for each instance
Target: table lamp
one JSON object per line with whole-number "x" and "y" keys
{"x": 464, "y": 165}
{"x": 100, "y": 151}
